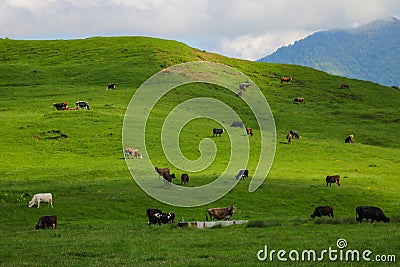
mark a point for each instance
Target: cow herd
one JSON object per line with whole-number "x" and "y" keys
{"x": 78, "y": 105}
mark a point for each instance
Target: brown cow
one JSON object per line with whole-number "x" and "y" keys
{"x": 286, "y": 79}
{"x": 299, "y": 100}
{"x": 48, "y": 221}
{"x": 220, "y": 213}
{"x": 161, "y": 171}
{"x": 184, "y": 178}
{"x": 322, "y": 211}
{"x": 331, "y": 179}
{"x": 249, "y": 131}
{"x": 344, "y": 85}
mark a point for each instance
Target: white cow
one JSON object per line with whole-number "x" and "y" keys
{"x": 133, "y": 151}
{"x": 42, "y": 197}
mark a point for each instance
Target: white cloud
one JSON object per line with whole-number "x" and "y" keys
{"x": 246, "y": 29}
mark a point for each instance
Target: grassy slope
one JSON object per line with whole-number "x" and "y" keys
{"x": 100, "y": 208}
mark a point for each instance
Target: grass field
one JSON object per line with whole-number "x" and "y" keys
{"x": 100, "y": 208}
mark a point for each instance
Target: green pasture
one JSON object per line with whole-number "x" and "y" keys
{"x": 77, "y": 155}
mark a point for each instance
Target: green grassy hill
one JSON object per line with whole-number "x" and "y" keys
{"x": 101, "y": 210}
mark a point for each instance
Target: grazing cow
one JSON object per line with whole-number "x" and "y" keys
{"x": 294, "y": 134}
{"x": 331, "y": 179}
{"x": 168, "y": 179}
{"x": 150, "y": 213}
{"x": 48, "y": 221}
{"x": 322, "y": 211}
{"x": 289, "y": 138}
{"x": 184, "y": 178}
{"x": 344, "y": 85}
{"x": 249, "y": 131}
{"x": 42, "y": 197}
{"x": 111, "y": 86}
{"x": 242, "y": 174}
{"x": 370, "y": 212}
{"x": 237, "y": 124}
{"x": 82, "y": 104}
{"x": 299, "y": 100}
{"x": 220, "y": 213}
{"x": 61, "y": 106}
{"x": 349, "y": 139}
{"x": 286, "y": 79}
{"x": 164, "y": 218}
{"x": 217, "y": 132}
{"x": 133, "y": 151}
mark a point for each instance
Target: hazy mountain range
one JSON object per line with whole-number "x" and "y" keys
{"x": 369, "y": 52}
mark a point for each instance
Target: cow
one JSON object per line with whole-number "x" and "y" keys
{"x": 168, "y": 179}
{"x": 217, "y": 132}
{"x": 242, "y": 174}
{"x": 82, "y": 104}
{"x": 164, "y": 218}
{"x": 133, "y": 151}
{"x": 286, "y": 79}
{"x": 166, "y": 71}
{"x": 249, "y": 131}
{"x": 220, "y": 213}
{"x": 370, "y": 212}
{"x": 289, "y": 138}
{"x": 48, "y": 221}
{"x": 41, "y": 197}
{"x": 322, "y": 211}
{"x": 349, "y": 139}
{"x": 61, "y": 106}
{"x": 331, "y": 179}
{"x": 237, "y": 124}
{"x": 111, "y": 86}
{"x": 184, "y": 178}
{"x": 344, "y": 85}
{"x": 299, "y": 100}
{"x": 244, "y": 86}
{"x": 162, "y": 171}
{"x": 294, "y": 134}
{"x": 150, "y": 213}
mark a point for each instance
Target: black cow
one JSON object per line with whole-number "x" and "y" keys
{"x": 61, "y": 106}
{"x": 331, "y": 179}
{"x": 349, "y": 139}
{"x": 111, "y": 86}
{"x": 344, "y": 85}
{"x": 237, "y": 124}
{"x": 294, "y": 134}
{"x": 322, "y": 211}
{"x": 150, "y": 214}
{"x": 184, "y": 178}
{"x": 168, "y": 178}
{"x": 242, "y": 174}
{"x": 217, "y": 132}
{"x": 82, "y": 104}
{"x": 370, "y": 212}
{"x": 48, "y": 221}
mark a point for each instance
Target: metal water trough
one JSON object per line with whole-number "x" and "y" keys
{"x": 202, "y": 225}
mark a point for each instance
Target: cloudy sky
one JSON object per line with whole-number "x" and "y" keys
{"x": 248, "y": 29}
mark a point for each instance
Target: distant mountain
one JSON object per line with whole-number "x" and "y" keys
{"x": 369, "y": 52}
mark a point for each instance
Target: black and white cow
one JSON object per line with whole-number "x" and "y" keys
{"x": 111, "y": 86}
{"x": 217, "y": 132}
{"x": 242, "y": 174}
{"x": 82, "y": 104}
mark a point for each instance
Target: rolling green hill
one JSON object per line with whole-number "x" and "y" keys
{"x": 77, "y": 155}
